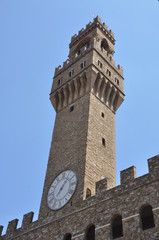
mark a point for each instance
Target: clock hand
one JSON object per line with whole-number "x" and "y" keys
{"x": 61, "y": 188}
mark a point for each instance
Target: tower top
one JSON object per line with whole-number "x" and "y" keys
{"x": 97, "y": 23}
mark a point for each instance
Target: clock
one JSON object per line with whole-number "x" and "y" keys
{"x": 62, "y": 189}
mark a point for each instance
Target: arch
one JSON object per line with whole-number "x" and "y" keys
{"x": 68, "y": 236}
{"x": 146, "y": 216}
{"x": 104, "y": 44}
{"x": 84, "y": 42}
{"x": 88, "y": 193}
{"x": 90, "y": 233}
{"x": 117, "y": 227}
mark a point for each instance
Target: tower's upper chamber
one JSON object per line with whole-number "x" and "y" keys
{"x": 90, "y": 67}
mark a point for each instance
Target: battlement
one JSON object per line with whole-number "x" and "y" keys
{"x": 90, "y": 41}
{"x": 90, "y": 26}
{"x": 12, "y": 229}
{"x": 128, "y": 180}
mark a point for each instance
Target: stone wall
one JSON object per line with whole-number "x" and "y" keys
{"x": 125, "y": 199}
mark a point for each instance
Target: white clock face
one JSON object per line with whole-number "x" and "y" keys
{"x": 62, "y": 189}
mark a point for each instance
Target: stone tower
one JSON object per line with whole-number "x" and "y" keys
{"x": 80, "y": 200}
{"x": 86, "y": 93}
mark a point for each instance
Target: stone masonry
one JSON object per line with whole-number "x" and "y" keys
{"x": 86, "y": 93}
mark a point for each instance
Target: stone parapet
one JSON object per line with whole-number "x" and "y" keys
{"x": 129, "y": 185}
{"x": 91, "y": 25}
{"x": 27, "y": 219}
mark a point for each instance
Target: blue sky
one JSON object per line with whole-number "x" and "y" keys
{"x": 35, "y": 35}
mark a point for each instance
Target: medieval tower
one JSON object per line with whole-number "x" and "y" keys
{"x": 80, "y": 199}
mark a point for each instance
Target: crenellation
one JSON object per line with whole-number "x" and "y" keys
{"x": 128, "y": 175}
{"x": 66, "y": 63}
{"x": 96, "y": 23}
{"x": 97, "y": 19}
{"x": 88, "y": 25}
{"x": 101, "y": 186}
{"x": 12, "y": 227}
{"x": 57, "y": 69}
{"x": 153, "y": 165}
{"x": 73, "y": 37}
{"x": 81, "y": 31}
{"x": 27, "y": 219}
{"x": 80, "y": 184}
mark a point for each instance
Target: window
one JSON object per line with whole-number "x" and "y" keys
{"x": 78, "y": 52}
{"x": 108, "y": 73}
{"x": 59, "y": 81}
{"x": 86, "y": 46}
{"x": 104, "y": 44}
{"x": 100, "y": 64}
{"x": 88, "y": 193}
{"x": 102, "y": 114}
{"x": 68, "y": 237}
{"x": 83, "y": 64}
{"x": 71, "y": 73}
{"x": 90, "y": 234}
{"x": 117, "y": 81}
{"x": 147, "y": 219}
{"x": 117, "y": 227}
{"x": 71, "y": 108}
{"x": 103, "y": 142}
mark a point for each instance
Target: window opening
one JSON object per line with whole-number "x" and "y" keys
{"x": 71, "y": 108}
{"x": 88, "y": 193}
{"x": 102, "y": 114}
{"x": 68, "y": 237}
{"x": 100, "y": 64}
{"x": 59, "y": 81}
{"x": 147, "y": 218}
{"x": 71, "y": 73}
{"x": 104, "y": 44}
{"x": 117, "y": 81}
{"x": 83, "y": 64}
{"x": 103, "y": 142}
{"x": 117, "y": 227}
{"x": 90, "y": 234}
{"x": 108, "y": 73}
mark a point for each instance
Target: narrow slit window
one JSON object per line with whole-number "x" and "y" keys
{"x": 102, "y": 114}
{"x": 71, "y": 108}
{"x": 103, "y": 142}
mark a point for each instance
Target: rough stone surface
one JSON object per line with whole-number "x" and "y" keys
{"x": 85, "y": 83}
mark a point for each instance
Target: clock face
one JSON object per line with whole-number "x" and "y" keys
{"x": 62, "y": 189}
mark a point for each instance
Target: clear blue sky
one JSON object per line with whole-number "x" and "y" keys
{"x": 34, "y": 39}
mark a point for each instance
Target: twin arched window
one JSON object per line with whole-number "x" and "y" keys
{"x": 90, "y": 233}
{"x": 146, "y": 216}
{"x": 117, "y": 227}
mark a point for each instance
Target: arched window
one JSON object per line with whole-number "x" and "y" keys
{"x": 68, "y": 236}
{"x": 147, "y": 219}
{"x": 117, "y": 227}
{"x": 104, "y": 44}
{"x": 88, "y": 193}
{"x": 90, "y": 234}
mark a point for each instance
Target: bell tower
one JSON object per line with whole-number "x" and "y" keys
{"x": 86, "y": 93}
